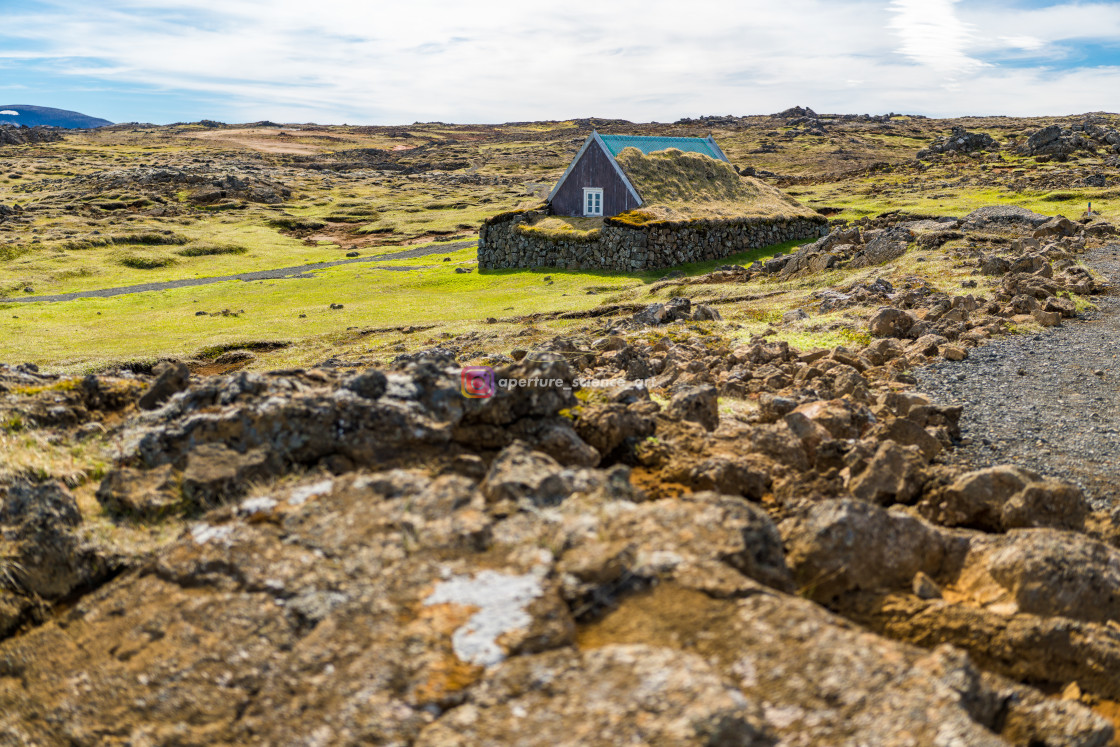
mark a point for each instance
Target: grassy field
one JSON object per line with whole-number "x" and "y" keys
{"x": 123, "y": 206}
{"x": 87, "y": 334}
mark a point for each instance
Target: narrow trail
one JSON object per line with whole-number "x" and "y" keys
{"x": 283, "y": 273}
{"x": 1049, "y": 401}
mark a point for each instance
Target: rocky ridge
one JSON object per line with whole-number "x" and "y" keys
{"x": 961, "y": 140}
{"x": 1059, "y": 143}
{"x": 204, "y": 185}
{"x": 17, "y": 135}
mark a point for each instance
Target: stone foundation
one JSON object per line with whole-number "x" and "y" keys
{"x": 618, "y": 246}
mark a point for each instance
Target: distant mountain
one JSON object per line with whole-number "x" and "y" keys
{"x": 30, "y": 116}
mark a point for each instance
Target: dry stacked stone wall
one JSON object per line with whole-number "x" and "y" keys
{"x": 619, "y": 246}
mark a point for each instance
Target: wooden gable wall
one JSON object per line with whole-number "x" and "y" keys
{"x": 594, "y": 169}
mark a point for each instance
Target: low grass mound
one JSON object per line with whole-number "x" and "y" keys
{"x": 679, "y": 186}
{"x": 12, "y": 251}
{"x": 79, "y": 245}
{"x": 353, "y": 215}
{"x": 210, "y": 250}
{"x": 375, "y": 227}
{"x": 145, "y": 261}
{"x": 151, "y": 238}
{"x": 293, "y": 223}
{"x": 258, "y": 346}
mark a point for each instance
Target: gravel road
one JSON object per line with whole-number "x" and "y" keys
{"x": 279, "y": 274}
{"x": 1050, "y": 401}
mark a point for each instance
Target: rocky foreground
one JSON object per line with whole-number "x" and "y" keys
{"x": 744, "y": 544}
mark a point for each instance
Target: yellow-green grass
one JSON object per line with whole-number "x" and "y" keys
{"x": 53, "y": 269}
{"x": 87, "y": 334}
{"x": 398, "y": 212}
{"x": 29, "y": 452}
{"x": 772, "y": 297}
{"x": 563, "y": 227}
{"x": 235, "y": 250}
{"x": 405, "y": 209}
{"x": 803, "y": 339}
{"x": 961, "y": 201}
{"x": 82, "y": 334}
{"x": 417, "y": 207}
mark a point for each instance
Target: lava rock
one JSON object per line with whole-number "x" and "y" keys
{"x": 172, "y": 377}
{"x": 699, "y": 404}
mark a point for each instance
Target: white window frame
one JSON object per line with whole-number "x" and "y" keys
{"x": 588, "y": 208}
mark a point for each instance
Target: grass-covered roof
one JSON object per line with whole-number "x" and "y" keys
{"x": 678, "y": 186}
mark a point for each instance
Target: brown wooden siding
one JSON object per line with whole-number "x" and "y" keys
{"x": 594, "y": 169}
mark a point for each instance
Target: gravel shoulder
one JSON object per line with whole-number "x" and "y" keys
{"x": 283, "y": 273}
{"x": 1048, "y": 401}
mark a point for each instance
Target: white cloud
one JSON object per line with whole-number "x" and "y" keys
{"x": 1026, "y": 43}
{"x": 500, "y": 60}
{"x": 1043, "y": 27}
{"x": 933, "y": 35}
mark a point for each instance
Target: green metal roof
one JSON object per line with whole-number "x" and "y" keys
{"x": 648, "y": 144}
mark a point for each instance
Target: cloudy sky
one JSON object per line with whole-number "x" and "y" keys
{"x": 377, "y": 62}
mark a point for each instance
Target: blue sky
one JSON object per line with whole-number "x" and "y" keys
{"x": 374, "y": 62}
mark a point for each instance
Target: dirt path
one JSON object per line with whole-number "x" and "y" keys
{"x": 284, "y": 273}
{"x": 1049, "y": 402}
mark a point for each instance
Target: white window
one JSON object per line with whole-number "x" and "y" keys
{"x": 592, "y": 201}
